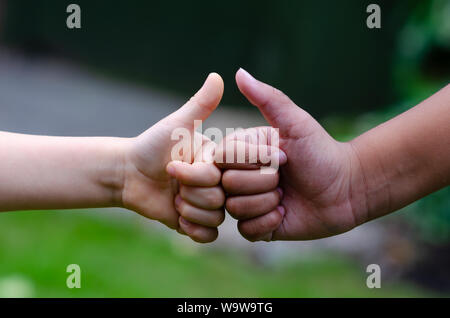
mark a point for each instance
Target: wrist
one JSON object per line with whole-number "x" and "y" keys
{"x": 370, "y": 185}
{"x": 111, "y": 171}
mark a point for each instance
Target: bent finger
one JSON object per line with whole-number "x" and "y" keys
{"x": 209, "y": 218}
{"x": 237, "y": 154}
{"x": 199, "y": 174}
{"x": 198, "y": 233}
{"x": 248, "y": 181}
{"x": 259, "y": 228}
{"x": 251, "y": 206}
{"x": 209, "y": 198}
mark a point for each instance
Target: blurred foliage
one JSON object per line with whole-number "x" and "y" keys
{"x": 431, "y": 216}
{"x": 321, "y": 53}
{"x": 423, "y": 55}
{"x": 123, "y": 257}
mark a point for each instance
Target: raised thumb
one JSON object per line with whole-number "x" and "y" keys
{"x": 275, "y": 106}
{"x": 203, "y": 103}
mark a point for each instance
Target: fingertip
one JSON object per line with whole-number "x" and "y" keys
{"x": 213, "y": 76}
{"x": 198, "y": 233}
{"x": 280, "y": 192}
{"x": 251, "y": 88}
{"x": 244, "y": 80}
{"x": 270, "y": 101}
{"x": 282, "y": 157}
{"x": 203, "y": 103}
{"x": 257, "y": 228}
{"x": 183, "y": 221}
{"x": 178, "y": 200}
{"x": 184, "y": 225}
{"x": 209, "y": 172}
{"x": 281, "y": 210}
{"x": 243, "y": 75}
{"x": 212, "y": 89}
{"x": 171, "y": 169}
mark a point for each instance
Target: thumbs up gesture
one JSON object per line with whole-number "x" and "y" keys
{"x": 319, "y": 191}
{"x": 183, "y": 194}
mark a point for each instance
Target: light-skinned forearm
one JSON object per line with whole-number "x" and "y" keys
{"x": 41, "y": 172}
{"x": 405, "y": 158}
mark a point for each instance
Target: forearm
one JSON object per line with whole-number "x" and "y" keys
{"x": 40, "y": 172}
{"x": 407, "y": 157}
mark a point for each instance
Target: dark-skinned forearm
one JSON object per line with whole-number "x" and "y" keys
{"x": 407, "y": 157}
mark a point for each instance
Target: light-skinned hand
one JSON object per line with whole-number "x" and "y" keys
{"x": 184, "y": 195}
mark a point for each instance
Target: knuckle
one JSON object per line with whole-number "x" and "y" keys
{"x": 214, "y": 175}
{"x": 248, "y": 231}
{"x": 215, "y": 197}
{"x": 278, "y": 92}
{"x": 219, "y": 156}
{"x": 220, "y": 218}
{"x": 202, "y": 235}
{"x": 280, "y": 95}
{"x": 272, "y": 180}
{"x": 229, "y": 180}
{"x": 232, "y": 206}
{"x": 182, "y": 175}
{"x": 248, "y": 235}
{"x": 183, "y": 191}
{"x": 208, "y": 174}
{"x": 272, "y": 220}
{"x": 183, "y": 209}
{"x": 275, "y": 198}
{"x": 217, "y": 219}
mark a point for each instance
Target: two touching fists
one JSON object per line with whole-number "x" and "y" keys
{"x": 308, "y": 197}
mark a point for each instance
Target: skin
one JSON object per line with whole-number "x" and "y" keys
{"x": 324, "y": 188}
{"x": 329, "y": 187}
{"x": 41, "y": 172}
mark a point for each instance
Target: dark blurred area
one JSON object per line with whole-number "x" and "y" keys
{"x": 319, "y": 52}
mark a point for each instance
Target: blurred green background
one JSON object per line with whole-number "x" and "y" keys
{"x": 323, "y": 56}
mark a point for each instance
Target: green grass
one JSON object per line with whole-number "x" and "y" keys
{"x": 122, "y": 257}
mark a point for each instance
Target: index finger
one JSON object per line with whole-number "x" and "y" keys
{"x": 236, "y": 154}
{"x": 199, "y": 174}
